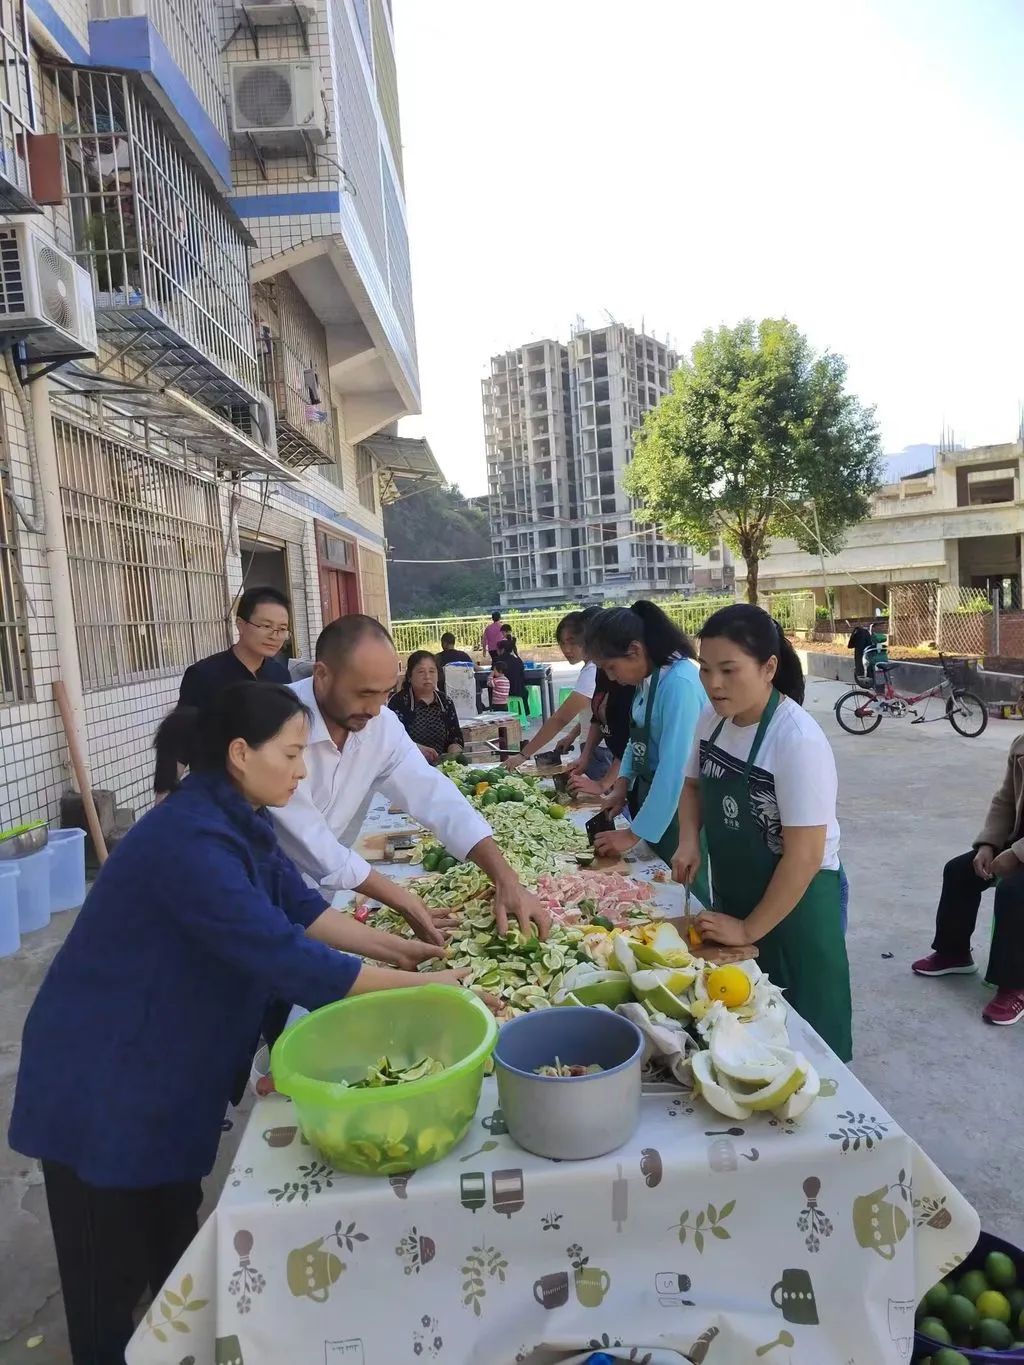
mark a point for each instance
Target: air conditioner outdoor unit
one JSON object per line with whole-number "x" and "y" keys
{"x": 45, "y": 297}
{"x": 278, "y": 104}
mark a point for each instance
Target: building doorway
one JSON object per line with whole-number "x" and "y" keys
{"x": 338, "y": 573}
{"x": 265, "y": 565}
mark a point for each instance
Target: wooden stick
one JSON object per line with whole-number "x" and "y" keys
{"x": 92, "y": 819}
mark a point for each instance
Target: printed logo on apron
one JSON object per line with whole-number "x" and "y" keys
{"x": 730, "y": 811}
{"x": 639, "y": 750}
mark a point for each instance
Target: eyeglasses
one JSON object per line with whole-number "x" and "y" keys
{"x": 271, "y": 632}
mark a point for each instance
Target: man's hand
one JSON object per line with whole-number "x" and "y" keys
{"x": 1006, "y": 864}
{"x": 431, "y": 755}
{"x": 514, "y": 761}
{"x": 428, "y": 925}
{"x": 724, "y": 929}
{"x": 983, "y": 862}
{"x": 512, "y": 900}
{"x": 409, "y": 953}
{"x": 615, "y": 801}
{"x": 612, "y": 843}
{"x": 580, "y": 782}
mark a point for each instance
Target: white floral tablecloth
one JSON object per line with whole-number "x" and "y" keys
{"x": 801, "y": 1244}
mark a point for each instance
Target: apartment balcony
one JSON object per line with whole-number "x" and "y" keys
{"x": 17, "y": 110}
{"x": 169, "y": 262}
{"x": 305, "y": 419}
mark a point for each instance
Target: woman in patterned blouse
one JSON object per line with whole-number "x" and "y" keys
{"x": 427, "y": 714}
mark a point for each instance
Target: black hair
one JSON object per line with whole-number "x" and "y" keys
{"x": 495, "y": 615}
{"x": 506, "y": 627}
{"x": 574, "y": 623}
{"x": 447, "y": 640}
{"x": 499, "y": 664}
{"x": 416, "y": 657}
{"x": 200, "y": 738}
{"x": 760, "y": 636}
{"x": 338, "y": 639}
{"x": 610, "y": 633}
{"x": 255, "y": 597}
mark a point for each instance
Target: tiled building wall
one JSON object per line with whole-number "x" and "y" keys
{"x": 71, "y": 15}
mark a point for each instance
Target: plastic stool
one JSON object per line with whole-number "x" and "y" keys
{"x": 10, "y": 934}
{"x": 517, "y": 707}
{"x": 533, "y": 701}
{"x": 34, "y": 890}
{"x": 564, "y": 692}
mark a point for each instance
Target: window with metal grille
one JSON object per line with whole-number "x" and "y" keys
{"x": 366, "y": 479}
{"x": 17, "y": 111}
{"x": 146, "y": 555}
{"x": 15, "y": 679}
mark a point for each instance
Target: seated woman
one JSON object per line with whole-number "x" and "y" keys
{"x": 426, "y": 712}
{"x": 155, "y": 1000}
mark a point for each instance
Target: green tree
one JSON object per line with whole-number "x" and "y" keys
{"x": 757, "y": 439}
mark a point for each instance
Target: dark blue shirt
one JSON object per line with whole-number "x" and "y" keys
{"x": 202, "y": 681}
{"x": 149, "y": 1009}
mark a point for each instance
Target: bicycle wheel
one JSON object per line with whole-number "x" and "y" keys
{"x": 967, "y": 714}
{"x": 856, "y": 712}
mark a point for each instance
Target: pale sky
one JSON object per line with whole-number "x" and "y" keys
{"x": 856, "y": 165}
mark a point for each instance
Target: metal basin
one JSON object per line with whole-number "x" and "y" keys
{"x": 19, "y": 843}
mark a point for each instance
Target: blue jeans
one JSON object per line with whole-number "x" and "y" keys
{"x": 600, "y": 761}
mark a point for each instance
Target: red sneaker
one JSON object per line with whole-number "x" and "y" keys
{"x": 1006, "y": 1008}
{"x": 943, "y": 964}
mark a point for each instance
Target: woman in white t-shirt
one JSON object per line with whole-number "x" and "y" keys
{"x": 569, "y": 635}
{"x": 761, "y": 784}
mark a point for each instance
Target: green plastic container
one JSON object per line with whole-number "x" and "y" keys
{"x": 394, "y": 1128}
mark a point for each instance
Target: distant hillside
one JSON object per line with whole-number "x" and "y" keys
{"x": 439, "y": 524}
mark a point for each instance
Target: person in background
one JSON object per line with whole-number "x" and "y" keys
{"x": 449, "y": 654}
{"x": 427, "y": 714}
{"x": 151, "y": 1006}
{"x": 515, "y": 669}
{"x": 607, "y": 738}
{"x": 359, "y": 747}
{"x": 995, "y": 861}
{"x": 510, "y": 641}
{"x": 640, "y": 647}
{"x": 569, "y": 635}
{"x": 761, "y": 785}
{"x": 500, "y": 687}
{"x": 261, "y": 620}
{"x": 859, "y": 641}
{"x": 492, "y": 636}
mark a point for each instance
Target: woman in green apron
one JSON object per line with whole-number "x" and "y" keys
{"x": 761, "y": 786}
{"x": 640, "y": 647}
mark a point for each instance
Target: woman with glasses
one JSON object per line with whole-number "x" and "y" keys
{"x": 262, "y": 622}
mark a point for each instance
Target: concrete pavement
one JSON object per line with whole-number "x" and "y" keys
{"x": 910, "y": 797}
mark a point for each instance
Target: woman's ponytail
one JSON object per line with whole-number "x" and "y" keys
{"x": 175, "y": 744}
{"x": 610, "y": 633}
{"x": 789, "y": 675}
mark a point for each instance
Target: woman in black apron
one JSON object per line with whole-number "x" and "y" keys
{"x": 761, "y": 787}
{"x": 640, "y": 647}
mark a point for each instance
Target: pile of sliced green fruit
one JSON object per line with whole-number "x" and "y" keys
{"x": 384, "y": 1072}
{"x": 981, "y": 1310}
{"x": 532, "y": 839}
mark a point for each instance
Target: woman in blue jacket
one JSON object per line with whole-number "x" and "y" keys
{"x": 153, "y": 1003}
{"x": 640, "y": 647}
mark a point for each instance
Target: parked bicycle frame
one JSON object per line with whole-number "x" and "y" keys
{"x": 860, "y": 712}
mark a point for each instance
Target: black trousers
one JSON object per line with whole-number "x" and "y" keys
{"x": 113, "y": 1244}
{"x": 957, "y": 916}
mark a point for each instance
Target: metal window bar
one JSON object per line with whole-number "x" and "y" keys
{"x": 169, "y": 264}
{"x": 15, "y": 673}
{"x": 293, "y": 342}
{"x": 366, "y": 479}
{"x": 190, "y": 31}
{"x": 146, "y": 554}
{"x": 17, "y": 108}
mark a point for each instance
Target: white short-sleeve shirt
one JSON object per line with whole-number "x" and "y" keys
{"x": 793, "y": 780}
{"x": 586, "y": 683}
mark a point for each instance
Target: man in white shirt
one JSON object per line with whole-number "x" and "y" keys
{"x": 358, "y": 747}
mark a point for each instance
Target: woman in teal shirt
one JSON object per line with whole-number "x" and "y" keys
{"x": 640, "y": 647}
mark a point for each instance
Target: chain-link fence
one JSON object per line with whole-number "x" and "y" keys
{"x": 940, "y": 616}
{"x": 536, "y": 629}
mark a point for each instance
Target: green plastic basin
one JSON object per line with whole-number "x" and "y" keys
{"x": 393, "y": 1128}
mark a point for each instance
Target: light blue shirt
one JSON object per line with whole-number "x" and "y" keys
{"x": 677, "y": 706}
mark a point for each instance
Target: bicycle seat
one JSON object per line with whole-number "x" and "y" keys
{"x": 884, "y": 666}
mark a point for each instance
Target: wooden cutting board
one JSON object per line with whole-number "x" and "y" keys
{"x": 374, "y": 847}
